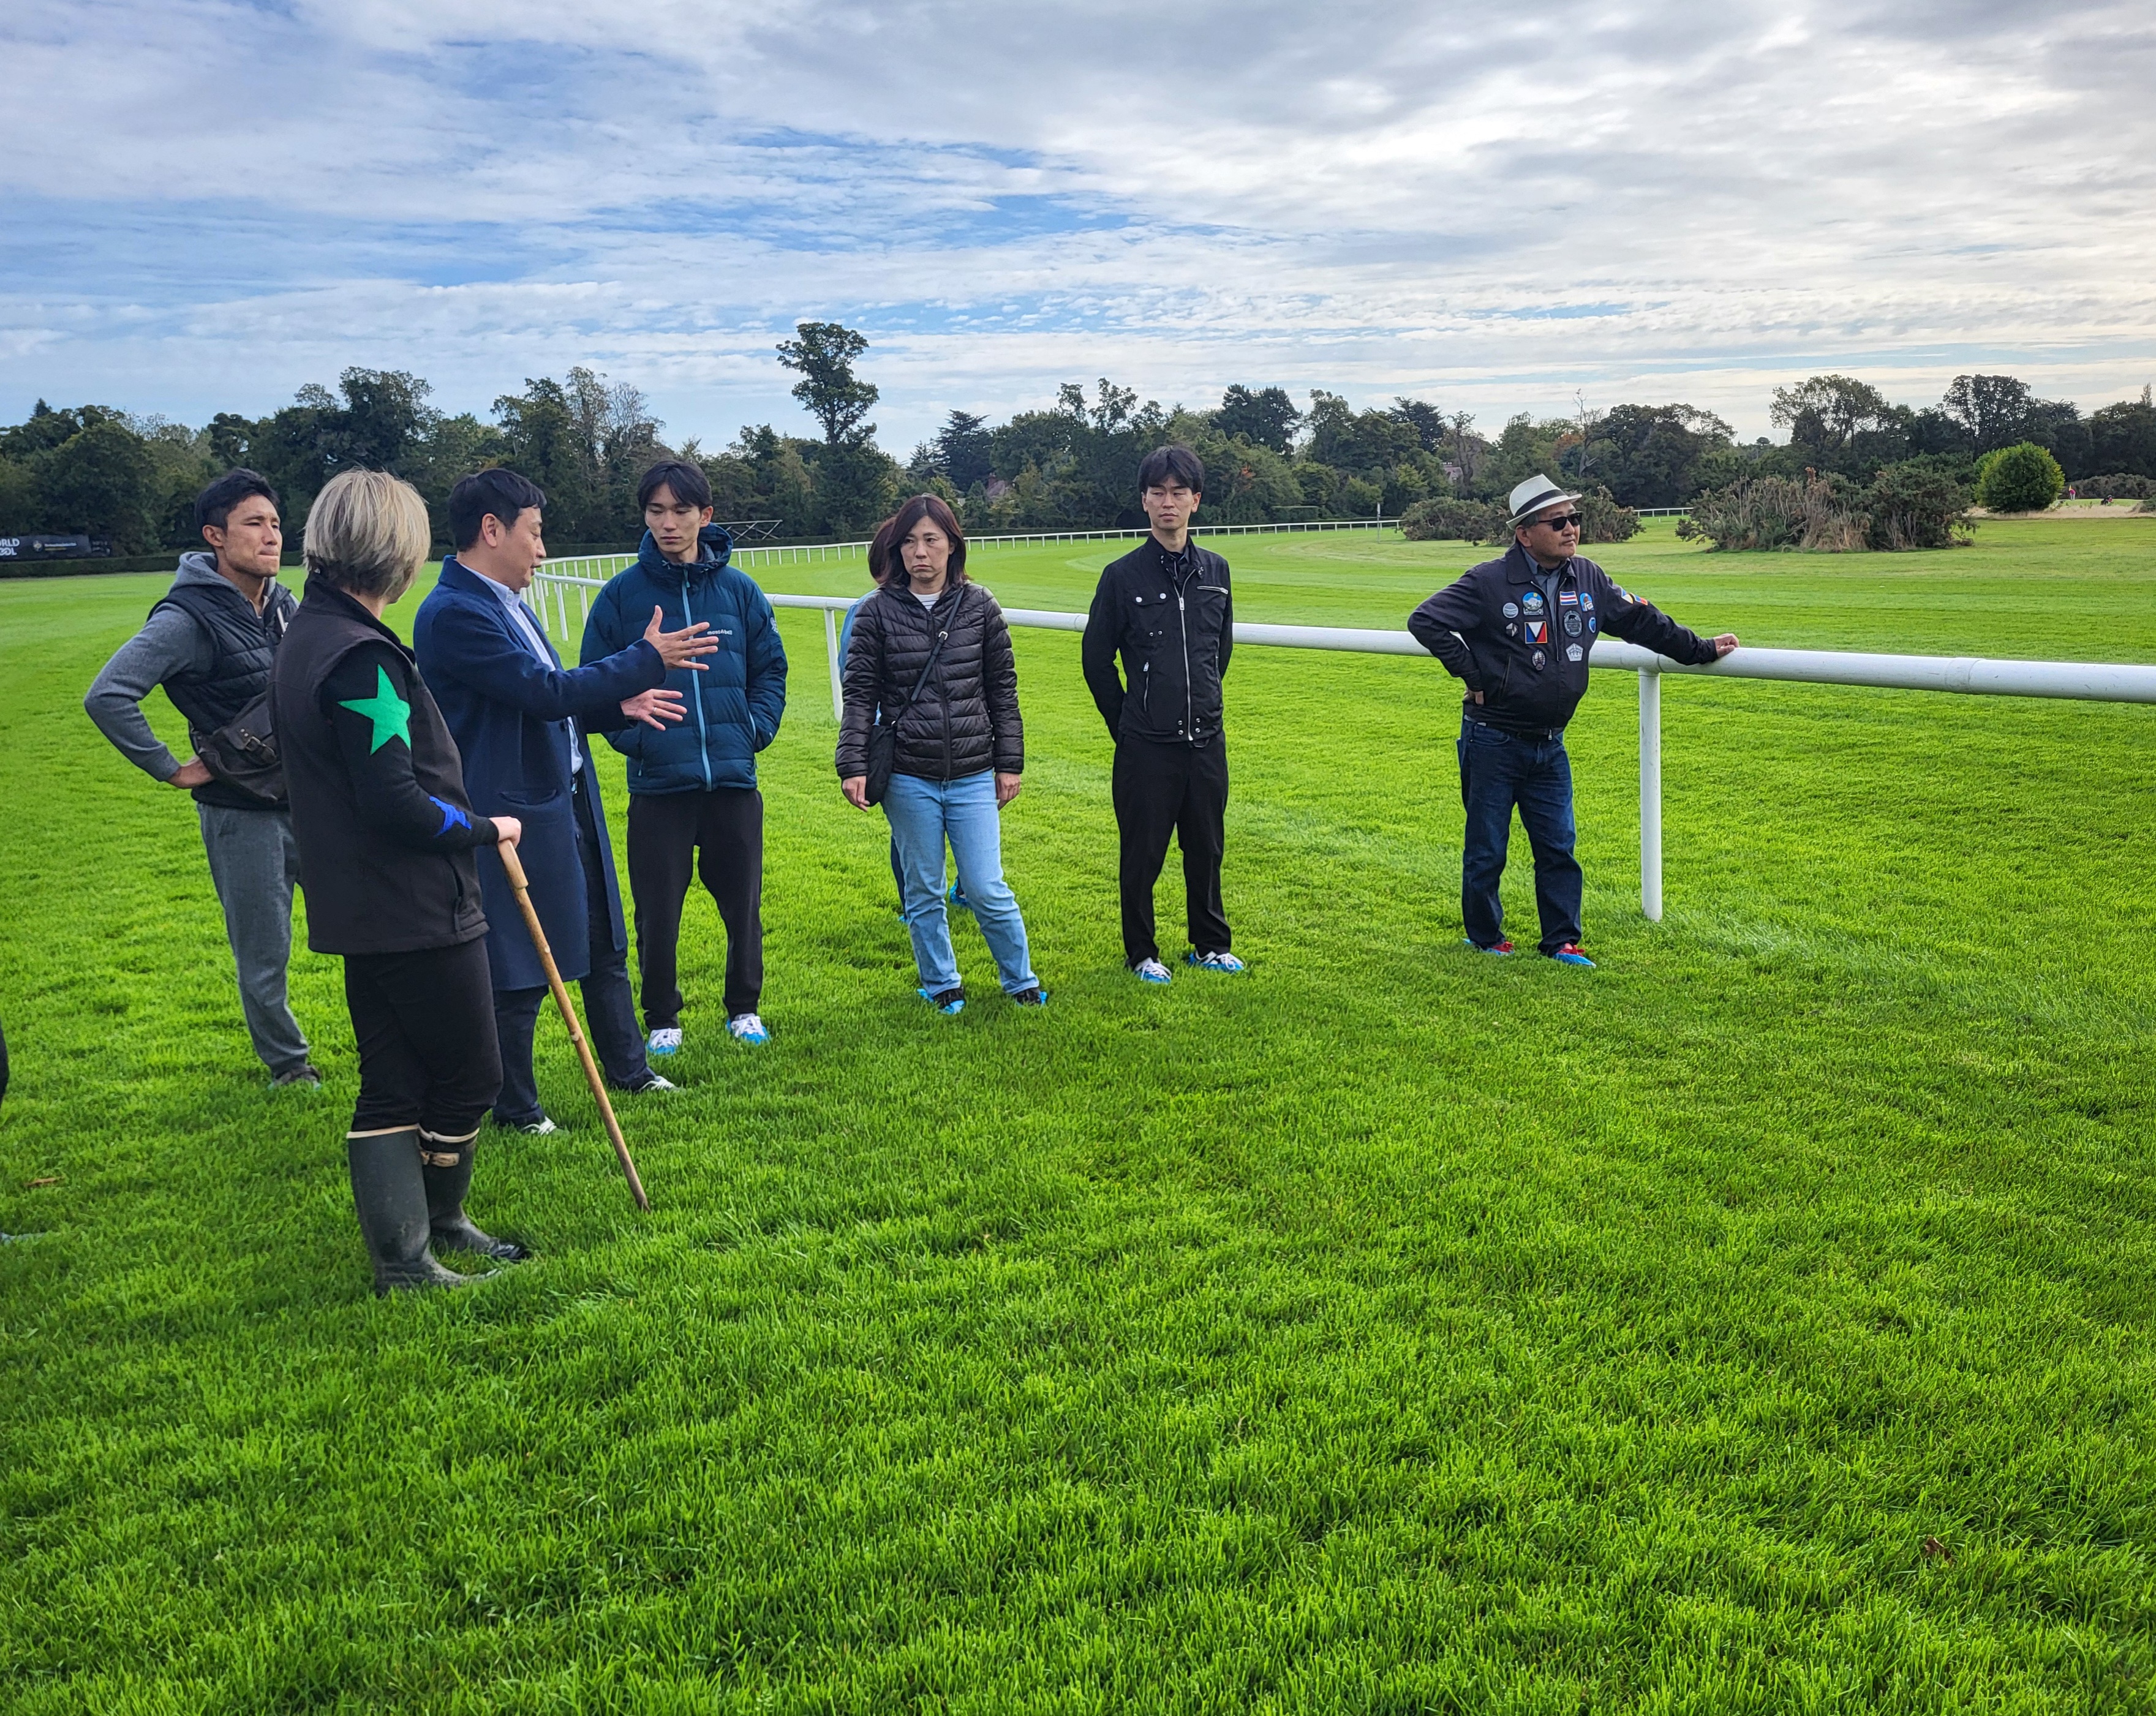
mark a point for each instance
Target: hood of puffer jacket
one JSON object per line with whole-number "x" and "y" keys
{"x": 715, "y": 552}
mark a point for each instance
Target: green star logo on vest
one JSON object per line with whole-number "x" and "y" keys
{"x": 391, "y": 715}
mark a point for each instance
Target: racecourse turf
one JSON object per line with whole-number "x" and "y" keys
{"x": 1760, "y": 1322}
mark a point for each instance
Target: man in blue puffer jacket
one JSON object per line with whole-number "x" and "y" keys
{"x": 692, "y": 788}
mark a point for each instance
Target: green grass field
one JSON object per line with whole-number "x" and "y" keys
{"x": 1761, "y": 1322}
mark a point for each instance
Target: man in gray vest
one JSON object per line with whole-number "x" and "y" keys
{"x": 209, "y": 642}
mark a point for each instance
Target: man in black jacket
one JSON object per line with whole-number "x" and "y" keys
{"x": 1518, "y": 630}
{"x": 1166, "y": 608}
{"x": 210, "y": 642}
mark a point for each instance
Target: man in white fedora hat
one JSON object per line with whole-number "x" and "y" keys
{"x": 1518, "y": 630}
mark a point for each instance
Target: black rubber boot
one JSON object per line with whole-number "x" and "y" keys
{"x": 391, "y": 1198}
{"x": 449, "y": 1178}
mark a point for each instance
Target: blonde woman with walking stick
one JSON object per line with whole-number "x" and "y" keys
{"x": 386, "y": 839}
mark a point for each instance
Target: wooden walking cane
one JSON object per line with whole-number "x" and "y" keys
{"x": 513, "y": 868}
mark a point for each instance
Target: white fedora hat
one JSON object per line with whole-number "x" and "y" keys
{"x": 1533, "y": 496}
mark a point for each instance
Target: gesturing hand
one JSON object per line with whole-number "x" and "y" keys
{"x": 680, "y": 649}
{"x": 655, "y": 708}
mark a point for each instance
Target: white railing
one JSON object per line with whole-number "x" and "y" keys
{"x": 2090, "y": 681}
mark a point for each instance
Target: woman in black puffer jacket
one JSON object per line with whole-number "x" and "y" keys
{"x": 960, "y": 746}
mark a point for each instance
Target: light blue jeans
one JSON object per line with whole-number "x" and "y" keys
{"x": 923, "y": 815}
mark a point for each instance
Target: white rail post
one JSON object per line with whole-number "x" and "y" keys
{"x": 1651, "y": 794}
{"x": 838, "y": 677}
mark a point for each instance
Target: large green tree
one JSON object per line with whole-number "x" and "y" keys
{"x": 102, "y": 481}
{"x": 1264, "y": 417}
{"x": 829, "y": 390}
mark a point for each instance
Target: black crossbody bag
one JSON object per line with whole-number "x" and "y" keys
{"x": 883, "y": 741}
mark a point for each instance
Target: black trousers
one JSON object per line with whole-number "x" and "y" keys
{"x": 1164, "y": 789}
{"x": 610, "y": 1013}
{"x": 669, "y": 834}
{"x": 424, "y": 1023}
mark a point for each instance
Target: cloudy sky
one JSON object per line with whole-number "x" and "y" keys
{"x": 1497, "y": 206}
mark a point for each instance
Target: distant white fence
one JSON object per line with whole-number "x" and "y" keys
{"x": 552, "y": 594}
{"x": 751, "y": 556}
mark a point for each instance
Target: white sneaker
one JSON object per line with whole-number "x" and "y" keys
{"x": 748, "y": 1028}
{"x": 665, "y": 1041}
{"x": 1151, "y": 971}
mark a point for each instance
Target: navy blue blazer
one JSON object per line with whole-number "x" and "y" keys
{"x": 506, "y": 712}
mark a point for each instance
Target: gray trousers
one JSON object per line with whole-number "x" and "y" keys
{"x": 253, "y": 864}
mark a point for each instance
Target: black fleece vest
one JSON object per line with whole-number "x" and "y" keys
{"x": 245, "y": 643}
{"x": 366, "y": 892}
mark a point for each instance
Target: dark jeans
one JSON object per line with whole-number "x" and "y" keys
{"x": 424, "y": 1023}
{"x": 1164, "y": 789}
{"x": 1497, "y": 770}
{"x": 667, "y": 833}
{"x": 610, "y": 1013}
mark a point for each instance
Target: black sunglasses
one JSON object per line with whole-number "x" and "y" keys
{"x": 1566, "y": 521}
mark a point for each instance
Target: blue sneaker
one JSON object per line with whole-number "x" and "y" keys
{"x": 947, "y": 1001}
{"x": 1214, "y": 961}
{"x": 1151, "y": 971}
{"x": 747, "y": 1027}
{"x": 1499, "y": 948}
{"x": 957, "y": 901}
{"x": 665, "y": 1041}
{"x": 1570, "y": 954}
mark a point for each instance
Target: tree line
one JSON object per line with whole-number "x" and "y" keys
{"x": 129, "y": 480}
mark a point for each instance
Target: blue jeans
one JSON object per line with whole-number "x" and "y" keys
{"x": 1497, "y": 770}
{"x": 924, "y": 814}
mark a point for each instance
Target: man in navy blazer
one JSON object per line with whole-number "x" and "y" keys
{"x": 520, "y": 720}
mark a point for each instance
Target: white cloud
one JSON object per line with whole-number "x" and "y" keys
{"x": 1488, "y": 205}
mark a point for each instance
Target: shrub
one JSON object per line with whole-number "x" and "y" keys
{"x": 1606, "y": 522}
{"x": 1451, "y": 520}
{"x": 2126, "y": 485}
{"x": 1915, "y": 505}
{"x": 1769, "y": 513}
{"x": 2023, "y": 477}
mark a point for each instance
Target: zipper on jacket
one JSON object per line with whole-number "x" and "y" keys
{"x": 703, "y": 737}
{"x": 942, "y": 691}
{"x": 1183, "y": 627}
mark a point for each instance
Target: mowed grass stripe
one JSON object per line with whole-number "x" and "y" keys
{"x": 1394, "y": 1329}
